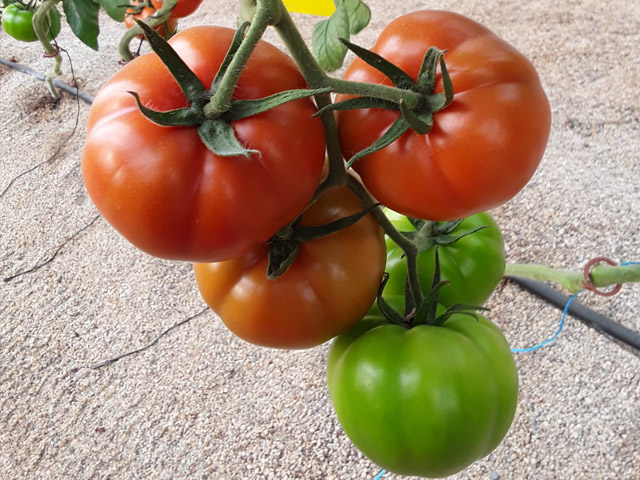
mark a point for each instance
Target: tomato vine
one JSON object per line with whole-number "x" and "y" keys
{"x": 223, "y": 167}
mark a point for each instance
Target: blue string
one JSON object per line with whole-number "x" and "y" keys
{"x": 564, "y": 315}
{"x": 380, "y": 475}
{"x": 555, "y": 335}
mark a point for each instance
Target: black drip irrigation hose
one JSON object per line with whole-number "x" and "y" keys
{"x": 595, "y": 320}
{"x": 84, "y": 96}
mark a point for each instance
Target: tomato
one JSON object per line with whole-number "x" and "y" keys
{"x": 182, "y": 9}
{"x": 473, "y": 264}
{"x": 17, "y": 21}
{"x": 425, "y": 401}
{"x": 165, "y": 191}
{"x": 329, "y": 287}
{"x": 171, "y": 24}
{"x": 483, "y": 147}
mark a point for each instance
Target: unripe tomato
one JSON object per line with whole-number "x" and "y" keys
{"x": 425, "y": 401}
{"x": 473, "y": 264}
{"x": 17, "y": 21}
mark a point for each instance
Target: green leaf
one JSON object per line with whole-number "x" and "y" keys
{"x": 399, "y": 77}
{"x": 359, "y": 14}
{"x": 247, "y": 108}
{"x": 327, "y": 48}
{"x": 189, "y": 83}
{"x": 82, "y": 17}
{"x": 116, "y": 9}
{"x": 395, "y": 131}
{"x": 220, "y": 138}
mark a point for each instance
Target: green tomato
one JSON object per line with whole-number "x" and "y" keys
{"x": 425, "y": 401}
{"x": 474, "y": 264}
{"x": 17, "y": 21}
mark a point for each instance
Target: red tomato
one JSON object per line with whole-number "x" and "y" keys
{"x": 483, "y": 148}
{"x": 171, "y": 23}
{"x": 165, "y": 191}
{"x": 329, "y": 287}
{"x": 182, "y": 8}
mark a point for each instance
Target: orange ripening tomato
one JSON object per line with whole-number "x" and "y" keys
{"x": 328, "y": 288}
{"x": 171, "y": 24}
{"x": 165, "y": 191}
{"x": 483, "y": 147}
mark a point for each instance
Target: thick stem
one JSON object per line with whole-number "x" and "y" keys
{"x": 601, "y": 276}
{"x": 40, "y": 27}
{"x": 221, "y": 100}
{"x": 159, "y": 17}
{"x": 315, "y": 77}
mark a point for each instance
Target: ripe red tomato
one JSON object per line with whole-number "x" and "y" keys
{"x": 182, "y": 8}
{"x": 483, "y": 147}
{"x": 171, "y": 24}
{"x": 165, "y": 191}
{"x": 329, "y": 287}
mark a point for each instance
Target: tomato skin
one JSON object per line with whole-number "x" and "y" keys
{"x": 170, "y": 196}
{"x": 171, "y": 23}
{"x": 182, "y": 9}
{"x": 483, "y": 148}
{"x": 474, "y": 264}
{"x": 426, "y": 401}
{"x": 329, "y": 287}
{"x": 17, "y": 21}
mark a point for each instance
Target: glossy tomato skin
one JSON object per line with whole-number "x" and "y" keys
{"x": 171, "y": 24}
{"x": 426, "y": 401}
{"x": 182, "y": 9}
{"x": 329, "y": 287}
{"x": 17, "y": 21}
{"x": 473, "y": 265}
{"x": 483, "y": 148}
{"x": 170, "y": 196}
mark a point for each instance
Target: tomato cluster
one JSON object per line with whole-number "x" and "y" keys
{"x": 421, "y": 385}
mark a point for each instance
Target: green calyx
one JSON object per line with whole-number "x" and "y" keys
{"x": 418, "y": 117}
{"x": 428, "y": 234}
{"x": 428, "y": 311}
{"x": 284, "y": 246}
{"x": 213, "y": 122}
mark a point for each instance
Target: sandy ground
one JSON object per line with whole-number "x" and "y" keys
{"x": 203, "y": 404}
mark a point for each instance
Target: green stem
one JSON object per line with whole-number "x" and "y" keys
{"x": 383, "y": 92}
{"x": 40, "y": 27}
{"x": 601, "y": 276}
{"x": 159, "y": 17}
{"x": 221, "y": 100}
{"x": 408, "y": 247}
